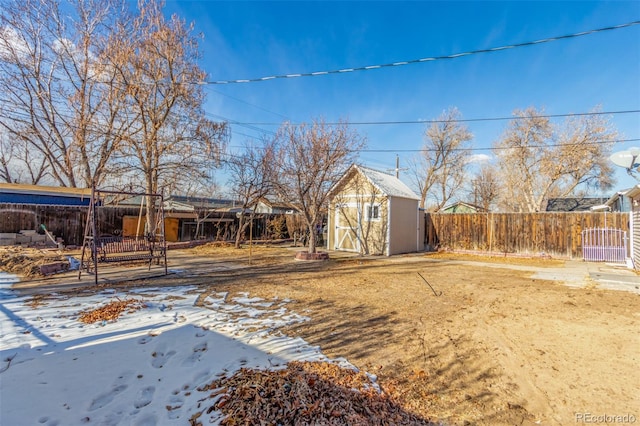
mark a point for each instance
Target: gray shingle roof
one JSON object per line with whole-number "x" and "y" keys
{"x": 388, "y": 184}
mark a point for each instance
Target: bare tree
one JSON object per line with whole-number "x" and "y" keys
{"x": 485, "y": 187}
{"x": 440, "y": 171}
{"x": 56, "y": 84}
{"x": 251, "y": 178}
{"x": 540, "y": 160}
{"x": 313, "y": 158}
{"x": 19, "y": 163}
{"x": 172, "y": 140}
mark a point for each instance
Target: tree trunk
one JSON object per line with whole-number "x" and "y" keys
{"x": 241, "y": 228}
{"x": 312, "y": 239}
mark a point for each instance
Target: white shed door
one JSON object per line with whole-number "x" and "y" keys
{"x": 345, "y": 236}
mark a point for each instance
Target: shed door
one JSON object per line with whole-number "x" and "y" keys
{"x": 345, "y": 236}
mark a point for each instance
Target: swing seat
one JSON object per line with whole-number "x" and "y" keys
{"x": 123, "y": 249}
{"x": 118, "y": 249}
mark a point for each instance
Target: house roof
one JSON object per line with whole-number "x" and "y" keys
{"x": 633, "y": 192}
{"x": 279, "y": 204}
{"x": 573, "y": 204}
{"x": 43, "y": 195}
{"x": 384, "y": 182}
{"x": 202, "y": 202}
{"x": 40, "y": 189}
{"x": 457, "y": 204}
{"x": 609, "y": 204}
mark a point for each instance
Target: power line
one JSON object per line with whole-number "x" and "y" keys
{"x": 502, "y": 148}
{"x": 462, "y": 120}
{"x": 467, "y": 120}
{"x": 249, "y": 103}
{"x": 395, "y": 150}
{"x": 428, "y": 59}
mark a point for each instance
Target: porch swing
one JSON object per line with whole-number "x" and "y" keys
{"x": 98, "y": 248}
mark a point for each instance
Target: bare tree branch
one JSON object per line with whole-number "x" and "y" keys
{"x": 53, "y": 69}
{"x": 252, "y": 177}
{"x": 313, "y": 158}
{"x": 440, "y": 171}
{"x": 540, "y": 160}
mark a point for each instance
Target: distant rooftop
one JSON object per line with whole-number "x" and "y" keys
{"x": 574, "y": 204}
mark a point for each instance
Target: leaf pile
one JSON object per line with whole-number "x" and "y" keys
{"x": 303, "y": 393}
{"x": 111, "y": 311}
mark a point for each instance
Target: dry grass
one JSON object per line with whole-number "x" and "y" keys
{"x": 542, "y": 261}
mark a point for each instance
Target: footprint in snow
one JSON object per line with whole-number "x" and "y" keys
{"x": 106, "y": 398}
{"x": 173, "y": 407}
{"x": 149, "y": 420}
{"x": 200, "y": 347}
{"x": 201, "y": 377}
{"x": 161, "y": 358}
{"x": 112, "y": 419}
{"x": 124, "y": 377}
{"x": 145, "y": 396}
{"x": 198, "y": 350}
{"x": 145, "y": 339}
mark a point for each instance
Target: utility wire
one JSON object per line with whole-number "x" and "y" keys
{"x": 504, "y": 148}
{"x": 249, "y": 103}
{"x": 501, "y": 148}
{"x": 428, "y": 59}
{"x": 461, "y": 120}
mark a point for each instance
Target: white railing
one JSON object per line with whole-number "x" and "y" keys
{"x": 604, "y": 245}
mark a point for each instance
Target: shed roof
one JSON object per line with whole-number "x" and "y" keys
{"x": 384, "y": 182}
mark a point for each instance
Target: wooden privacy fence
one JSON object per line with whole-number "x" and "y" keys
{"x": 553, "y": 233}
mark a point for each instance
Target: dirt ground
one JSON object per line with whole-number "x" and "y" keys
{"x": 465, "y": 343}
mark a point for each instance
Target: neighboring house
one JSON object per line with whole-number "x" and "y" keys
{"x": 175, "y": 213}
{"x": 13, "y": 193}
{"x": 633, "y": 195}
{"x": 619, "y": 202}
{"x": 573, "y": 204}
{"x": 201, "y": 217}
{"x": 266, "y": 206}
{"x": 462, "y": 207}
{"x": 63, "y": 212}
{"x": 371, "y": 212}
{"x": 204, "y": 203}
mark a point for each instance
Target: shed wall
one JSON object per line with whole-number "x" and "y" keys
{"x": 404, "y": 226}
{"x": 635, "y": 237}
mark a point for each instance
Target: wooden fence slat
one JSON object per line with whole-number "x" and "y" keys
{"x": 553, "y": 233}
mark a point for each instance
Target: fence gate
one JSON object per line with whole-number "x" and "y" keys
{"x": 604, "y": 245}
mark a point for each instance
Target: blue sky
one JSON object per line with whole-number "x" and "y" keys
{"x": 244, "y": 40}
